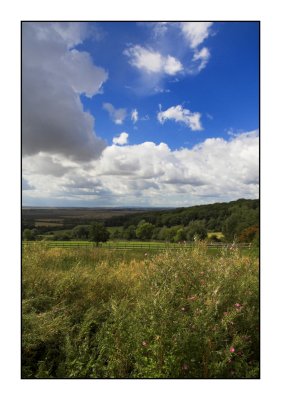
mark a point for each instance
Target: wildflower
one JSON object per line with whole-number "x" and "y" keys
{"x": 145, "y": 254}
{"x": 232, "y": 349}
{"x": 183, "y": 308}
{"x": 191, "y": 298}
{"x": 144, "y": 343}
{"x": 237, "y": 305}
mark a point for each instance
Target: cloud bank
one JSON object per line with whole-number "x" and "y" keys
{"x": 151, "y": 174}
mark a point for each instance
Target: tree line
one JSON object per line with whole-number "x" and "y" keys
{"x": 237, "y": 220}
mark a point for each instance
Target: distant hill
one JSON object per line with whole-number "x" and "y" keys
{"x": 213, "y": 214}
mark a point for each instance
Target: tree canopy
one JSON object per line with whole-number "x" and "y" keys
{"x": 98, "y": 233}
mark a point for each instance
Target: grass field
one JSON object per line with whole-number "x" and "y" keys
{"x": 174, "y": 314}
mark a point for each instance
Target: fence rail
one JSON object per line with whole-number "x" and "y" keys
{"x": 135, "y": 246}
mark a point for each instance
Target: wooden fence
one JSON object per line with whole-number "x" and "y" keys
{"x": 136, "y": 246}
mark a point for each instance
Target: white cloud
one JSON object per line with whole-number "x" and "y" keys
{"x": 180, "y": 114}
{"x": 117, "y": 114}
{"x": 151, "y": 174}
{"x": 121, "y": 139}
{"x": 134, "y": 115}
{"x": 202, "y": 57}
{"x": 53, "y": 119}
{"x": 153, "y": 62}
{"x": 195, "y": 32}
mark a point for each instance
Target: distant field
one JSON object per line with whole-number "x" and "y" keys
{"x": 48, "y": 222}
{"x": 63, "y": 216}
{"x": 219, "y": 235}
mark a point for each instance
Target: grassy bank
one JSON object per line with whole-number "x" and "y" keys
{"x": 104, "y": 314}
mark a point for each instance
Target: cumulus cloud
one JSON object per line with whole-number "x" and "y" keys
{"x": 151, "y": 174}
{"x": 180, "y": 114}
{"x": 195, "y": 32}
{"x": 116, "y": 114}
{"x": 152, "y": 62}
{"x": 134, "y": 115}
{"x": 53, "y": 119}
{"x": 46, "y": 164}
{"x": 121, "y": 139}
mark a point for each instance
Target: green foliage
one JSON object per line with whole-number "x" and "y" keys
{"x": 98, "y": 233}
{"x": 29, "y": 234}
{"x": 214, "y": 215}
{"x": 62, "y": 236}
{"x": 144, "y": 230}
{"x": 81, "y": 232}
{"x": 130, "y": 233}
{"x": 183, "y": 314}
{"x": 241, "y": 218}
{"x": 196, "y": 229}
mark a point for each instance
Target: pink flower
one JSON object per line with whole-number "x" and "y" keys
{"x": 232, "y": 349}
{"x": 237, "y": 305}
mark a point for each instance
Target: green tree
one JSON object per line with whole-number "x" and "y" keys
{"x": 130, "y": 233}
{"x": 144, "y": 230}
{"x": 240, "y": 219}
{"x": 116, "y": 234}
{"x": 180, "y": 235}
{"x": 80, "y": 232}
{"x": 98, "y": 233}
{"x": 28, "y": 234}
{"x": 196, "y": 228}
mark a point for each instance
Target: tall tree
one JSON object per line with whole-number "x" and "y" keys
{"x": 98, "y": 233}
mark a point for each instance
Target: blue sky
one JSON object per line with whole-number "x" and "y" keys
{"x": 148, "y": 114}
{"x": 225, "y": 92}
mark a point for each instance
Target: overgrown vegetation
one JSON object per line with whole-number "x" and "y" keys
{"x": 178, "y": 314}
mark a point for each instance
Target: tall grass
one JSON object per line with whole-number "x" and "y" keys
{"x": 178, "y": 314}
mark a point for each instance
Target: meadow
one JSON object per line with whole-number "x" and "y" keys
{"x": 178, "y": 313}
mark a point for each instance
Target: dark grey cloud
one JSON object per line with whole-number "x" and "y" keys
{"x": 53, "y": 119}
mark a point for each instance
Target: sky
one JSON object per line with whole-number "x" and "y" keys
{"x": 145, "y": 114}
